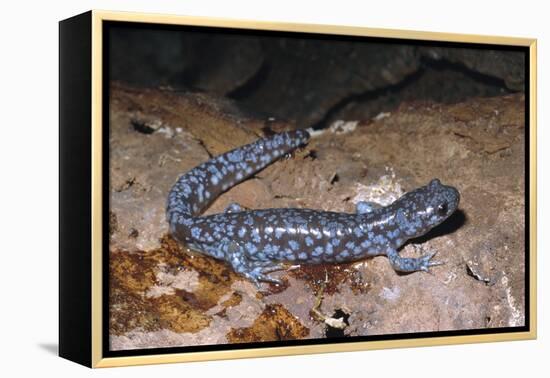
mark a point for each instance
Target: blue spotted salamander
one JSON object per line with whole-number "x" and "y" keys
{"x": 258, "y": 242}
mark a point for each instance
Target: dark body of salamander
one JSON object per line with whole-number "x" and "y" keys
{"x": 257, "y": 242}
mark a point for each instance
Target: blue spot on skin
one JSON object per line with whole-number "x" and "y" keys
{"x": 335, "y": 242}
{"x": 309, "y": 241}
{"x": 251, "y": 248}
{"x": 317, "y": 251}
{"x": 242, "y": 231}
{"x": 393, "y": 234}
{"x": 366, "y": 243}
{"x": 235, "y": 156}
{"x": 363, "y": 208}
{"x": 294, "y": 245}
{"x": 196, "y": 232}
{"x": 401, "y": 219}
{"x": 186, "y": 189}
{"x": 380, "y": 240}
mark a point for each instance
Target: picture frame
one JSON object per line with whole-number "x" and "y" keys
{"x": 86, "y": 195}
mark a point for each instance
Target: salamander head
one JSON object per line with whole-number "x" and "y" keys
{"x": 424, "y": 208}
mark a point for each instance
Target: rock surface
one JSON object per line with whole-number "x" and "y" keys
{"x": 162, "y": 294}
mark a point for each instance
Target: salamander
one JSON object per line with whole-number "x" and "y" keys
{"x": 258, "y": 242}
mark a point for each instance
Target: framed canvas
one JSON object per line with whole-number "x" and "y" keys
{"x": 235, "y": 189}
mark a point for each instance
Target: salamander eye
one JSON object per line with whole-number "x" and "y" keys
{"x": 442, "y": 208}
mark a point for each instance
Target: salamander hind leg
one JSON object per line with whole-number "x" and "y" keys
{"x": 406, "y": 264}
{"x": 256, "y": 271}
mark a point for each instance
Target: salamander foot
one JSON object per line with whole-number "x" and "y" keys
{"x": 406, "y": 264}
{"x": 260, "y": 273}
{"x": 256, "y": 271}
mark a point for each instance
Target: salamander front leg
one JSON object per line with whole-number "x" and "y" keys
{"x": 406, "y": 264}
{"x": 256, "y": 271}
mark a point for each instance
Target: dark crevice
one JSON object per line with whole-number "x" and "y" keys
{"x": 201, "y": 142}
{"x": 337, "y": 332}
{"x": 477, "y": 276}
{"x": 282, "y": 196}
{"x": 427, "y": 64}
{"x": 142, "y": 127}
{"x": 267, "y": 130}
{"x": 470, "y": 272}
{"x": 311, "y": 155}
{"x": 126, "y": 185}
{"x": 476, "y": 76}
{"x": 366, "y": 96}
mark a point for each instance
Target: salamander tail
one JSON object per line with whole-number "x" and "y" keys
{"x": 197, "y": 189}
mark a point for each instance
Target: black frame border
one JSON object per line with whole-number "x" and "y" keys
{"x": 75, "y": 184}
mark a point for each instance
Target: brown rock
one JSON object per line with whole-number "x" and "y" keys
{"x": 477, "y": 146}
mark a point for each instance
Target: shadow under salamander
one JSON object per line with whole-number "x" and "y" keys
{"x": 450, "y": 225}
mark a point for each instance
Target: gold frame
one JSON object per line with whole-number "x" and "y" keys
{"x": 97, "y": 154}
